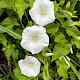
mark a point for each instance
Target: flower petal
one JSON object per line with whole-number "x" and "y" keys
{"x": 29, "y": 43}
{"x": 36, "y": 48}
{"x": 45, "y": 6}
{"x": 26, "y": 44}
{"x": 27, "y": 69}
{"x": 44, "y": 39}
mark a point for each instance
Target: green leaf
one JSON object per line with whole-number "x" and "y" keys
{"x": 68, "y": 5}
{"x": 74, "y": 69}
{"x": 72, "y": 32}
{"x": 45, "y": 71}
{"x": 19, "y": 76}
{"x": 59, "y": 36}
{"x": 10, "y": 22}
{"x": 76, "y": 42}
{"x": 72, "y": 76}
{"x": 60, "y": 50}
{"x": 29, "y": 23}
{"x": 45, "y": 76}
{"x": 26, "y": 5}
{"x": 62, "y": 69}
{"x": 63, "y": 79}
{"x": 13, "y": 34}
{"x": 1, "y": 11}
{"x": 62, "y": 2}
{"x": 9, "y": 4}
{"x": 8, "y": 52}
{"x": 4, "y": 4}
{"x": 75, "y": 23}
{"x": 52, "y": 28}
{"x": 20, "y": 8}
{"x": 55, "y": 6}
{"x": 31, "y": 3}
{"x": 3, "y": 39}
{"x": 0, "y": 79}
{"x": 78, "y": 55}
{"x": 18, "y": 31}
{"x": 69, "y": 13}
{"x": 13, "y": 76}
{"x": 15, "y": 54}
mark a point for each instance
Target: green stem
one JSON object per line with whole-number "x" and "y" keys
{"x": 26, "y": 16}
{"x": 73, "y": 4}
{"x": 74, "y": 69}
{"x": 2, "y": 71}
{"x": 74, "y": 62}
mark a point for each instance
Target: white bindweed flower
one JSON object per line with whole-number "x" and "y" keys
{"x": 65, "y": 60}
{"x": 34, "y": 39}
{"x": 30, "y": 66}
{"x": 42, "y": 12}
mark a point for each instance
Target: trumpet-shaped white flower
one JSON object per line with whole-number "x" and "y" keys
{"x": 42, "y": 12}
{"x": 65, "y": 60}
{"x": 30, "y": 66}
{"x": 34, "y": 39}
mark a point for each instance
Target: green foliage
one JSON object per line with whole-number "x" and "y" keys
{"x": 60, "y": 38}
{"x": 10, "y": 51}
{"x": 78, "y": 55}
{"x": 74, "y": 69}
{"x": 55, "y": 6}
{"x": 20, "y": 8}
{"x": 63, "y": 34}
{"x": 1, "y": 11}
{"x": 10, "y": 22}
{"x": 45, "y": 71}
{"x": 60, "y": 50}
{"x": 52, "y": 28}
{"x": 68, "y": 5}
{"x": 10, "y": 32}
{"x": 31, "y": 3}
{"x": 3, "y": 40}
{"x": 19, "y": 75}
{"x": 9, "y": 4}
{"x": 76, "y": 42}
{"x": 62, "y": 69}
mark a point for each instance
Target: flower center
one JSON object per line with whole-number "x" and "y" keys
{"x": 31, "y": 63}
{"x": 35, "y": 38}
{"x": 43, "y": 12}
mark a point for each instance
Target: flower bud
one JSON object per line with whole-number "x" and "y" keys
{"x": 48, "y": 54}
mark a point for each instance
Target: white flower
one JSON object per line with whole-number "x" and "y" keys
{"x": 30, "y": 66}
{"x": 34, "y": 39}
{"x": 65, "y": 60}
{"x": 42, "y": 12}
